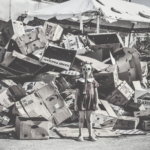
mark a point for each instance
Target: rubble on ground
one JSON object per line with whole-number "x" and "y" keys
{"x": 39, "y": 67}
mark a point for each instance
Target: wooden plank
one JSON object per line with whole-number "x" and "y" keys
{"x": 95, "y": 63}
{"x": 108, "y": 108}
{"x": 105, "y": 133}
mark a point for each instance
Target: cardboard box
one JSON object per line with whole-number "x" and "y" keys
{"x": 12, "y": 44}
{"x": 62, "y": 114}
{"x": 143, "y": 114}
{"x": 121, "y": 95}
{"x": 109, "y": 123}
{"x": 32, "y": 128}
{"x": 7, "y": 99}
{"x": 3, "y": 109}
{"x": 97, "y": 65}
{"x": 132, "y": 106}
{"x": 142, "y": 97}
{"x": 17, "y": 92}
{"x": 2, "y": 53}
{"x": 2, "y": 24}
{"x": 122, "y": 122}
{"x": 106, "y": 133}
{"x": 72, "y": 79}
{"x": 21, "y": 64}
{"x": 129, "y": 66}
{"x": 11, "y": 95}
{"x": 12, "y": 27}
{"x": 73, "y": 43}
{"x": 4, "y": 120}
{"x": 48, "y": 101}
{"x": 7, "y": 54}
{"x": 146, "y": 125}
{"x": 74, "y": 118}
{"x": 52, "y": 31}
{"x": 30, "y": 87}
{"x": 126, "y": 122}
{"x": 144, "y": 68}
{"x": 32, "y": 41}
{"x": 20, "y": 110}
{"x": 105, "y": 42}
{"x": 47, "y": 77}
{"x": 96, "y": 55}
{"x": 7, "y": 83}
{"x": 103, "y": 114}
{"x": 99, "y": 119}
{"x": 54, "y": 103}
{"x": 69, "y": 94}
{"x": 62, "y": 84}
{"x": 3, "y": 42}
{"x": 33, "y": 106}
{"x": 31, "y": 28}
{"x": 108, "y": 77}
{"x": 58, "y": 57}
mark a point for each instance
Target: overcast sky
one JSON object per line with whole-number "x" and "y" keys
{"x": 144, "y": 2}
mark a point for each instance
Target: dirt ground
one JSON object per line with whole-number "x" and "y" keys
{"x": 138, "y": 142}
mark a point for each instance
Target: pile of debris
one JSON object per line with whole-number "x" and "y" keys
{"x": 39, "y": 67}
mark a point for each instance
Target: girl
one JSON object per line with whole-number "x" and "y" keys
{"x": 86, "y": 99}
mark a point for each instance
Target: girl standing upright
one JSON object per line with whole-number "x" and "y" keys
{"x": 86, "y": 99}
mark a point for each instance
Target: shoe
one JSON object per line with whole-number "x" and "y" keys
{"x": 80, "y": 139}
{"x": 92, "y": 138}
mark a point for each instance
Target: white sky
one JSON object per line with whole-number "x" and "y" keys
{"x": 144, "y": 2}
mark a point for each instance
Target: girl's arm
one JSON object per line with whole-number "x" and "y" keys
{"x": 76, "y": 100}
{"x": 96, "y": 96}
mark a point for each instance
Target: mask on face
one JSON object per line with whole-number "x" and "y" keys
{"x": 86, "y": 71}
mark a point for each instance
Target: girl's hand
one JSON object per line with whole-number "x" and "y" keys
{"x": 75, "y": 107}
{"x": 97, "y": 106}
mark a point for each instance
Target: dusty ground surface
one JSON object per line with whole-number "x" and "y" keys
{"x": 140, "y": 142}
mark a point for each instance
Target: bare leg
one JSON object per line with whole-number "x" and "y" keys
{"x": 89, "y": 122}
{"x": 81, "y": 121}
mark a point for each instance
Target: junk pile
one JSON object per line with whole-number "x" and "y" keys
{"x": 39, "y": 67}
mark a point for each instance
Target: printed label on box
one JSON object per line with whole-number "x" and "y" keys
{"x": 57, "y": 63}
{"x": 48, "y": 30}
{"x": 146, "y": 103}
{"x": 5, "y": 120}
{"x": 73, "y": 43}
{"x": 126, "y": 90}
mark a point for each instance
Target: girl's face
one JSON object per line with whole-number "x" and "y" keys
{"x": 86, "y": 70}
